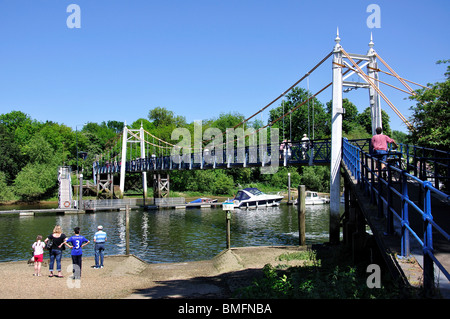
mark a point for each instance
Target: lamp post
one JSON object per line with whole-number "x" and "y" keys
{"x": 80, "y": 189}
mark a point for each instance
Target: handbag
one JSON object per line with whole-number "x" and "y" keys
{"x": 49, "y": 244}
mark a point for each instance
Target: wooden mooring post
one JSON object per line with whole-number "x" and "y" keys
{"x": 228, "y": 229}
{"x": 301, "y": 209}
{"x": 127, "y": 230}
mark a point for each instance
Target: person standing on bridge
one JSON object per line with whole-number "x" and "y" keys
{"x": 379, "y": 144}
{"x": 305, "y": 145}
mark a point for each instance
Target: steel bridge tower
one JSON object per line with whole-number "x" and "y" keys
{"x": 128, "y": 138}
{"x": 339, "y": 82}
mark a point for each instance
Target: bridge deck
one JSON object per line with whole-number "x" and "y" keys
{"x": 409, "y": 270}
{"x": 317, "y": 152}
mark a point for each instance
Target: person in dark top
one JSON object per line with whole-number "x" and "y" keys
{"x": 78, "y": 242}
{"x": 57, "y": 238}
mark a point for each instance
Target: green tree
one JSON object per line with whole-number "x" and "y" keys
{"x": 399, "y": 137}
{"x": 6, "y": 192}
{"x": 102, "y": 132}
{"x": 20, "y": 125}
{"x": 280, "y": 178}
{"x": 431, "y": 115}
{"x": 227, "y": 120}
{"x": 162, "y": 117}
{"x": 301, "y": 120}
{"x": 11, "y": 159}
{"x": 36, "y": 181}
{"x": 316, "y": 178}
{"x": 349, "y": 119}
{"x": 223, "y": 184}
{"x": 365, "y": 121}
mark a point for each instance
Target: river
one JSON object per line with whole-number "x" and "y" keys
{"x": 172, "y": 235}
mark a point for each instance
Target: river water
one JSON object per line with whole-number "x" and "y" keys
{"x": 174, "y": 235}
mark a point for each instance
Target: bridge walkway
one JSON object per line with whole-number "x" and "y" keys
{"x": 315, "y": 152}
{"x": 409, "y": 218}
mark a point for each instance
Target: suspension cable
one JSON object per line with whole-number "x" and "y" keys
{"x": 377, "y": 80}
{"x": 280, "y": 96}
{"x": 378, "y": 90}
{"x": 395, "y": 74}
{"x": 387, "y": 73}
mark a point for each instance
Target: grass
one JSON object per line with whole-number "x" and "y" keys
{"x": 325, "y": 274}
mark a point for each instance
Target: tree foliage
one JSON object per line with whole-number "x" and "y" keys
{"x": 431, "y": 114}
{"x": 302, "y": 119}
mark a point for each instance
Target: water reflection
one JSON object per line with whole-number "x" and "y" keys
{"x": 168, "y": 235}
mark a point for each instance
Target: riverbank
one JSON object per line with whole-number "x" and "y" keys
{"x": 130, "y": 277}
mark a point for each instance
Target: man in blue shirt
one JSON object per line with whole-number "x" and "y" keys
{"x": 78, "y": 242}
{"x": 99, "y": 240}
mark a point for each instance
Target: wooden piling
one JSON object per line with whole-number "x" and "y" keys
{"x": 127, "y": 230}
{"x": 228, "y": 214}
{"x": 301, "y": 209}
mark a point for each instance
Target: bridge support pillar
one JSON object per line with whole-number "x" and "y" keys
{"x": 123, "y": 160}
{"x": 336, "y": 144}
{"x": 144, "y": 174}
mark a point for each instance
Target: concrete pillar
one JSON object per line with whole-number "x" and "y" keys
{"x": 336, "y": 143}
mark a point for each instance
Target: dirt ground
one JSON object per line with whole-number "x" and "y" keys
{"x": 130, "y": 277}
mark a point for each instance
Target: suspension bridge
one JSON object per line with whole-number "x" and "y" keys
{"x": 416, "y": 170}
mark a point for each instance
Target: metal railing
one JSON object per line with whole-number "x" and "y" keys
{"x": 385, "y": 185}
{"x": 314, "y": 152}
{"x": 98, "y": 204}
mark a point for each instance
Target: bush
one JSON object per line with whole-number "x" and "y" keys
{"x": 223, "y": 184}
{"x": 316, "y": 178}
{"x": 6, "y": 192}
{"x": 317, "y": 279}
{"x": 36, "y": 181}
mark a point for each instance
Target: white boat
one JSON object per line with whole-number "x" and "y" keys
{"x": 312, "y": 198}
{"x": 254, "y": 198}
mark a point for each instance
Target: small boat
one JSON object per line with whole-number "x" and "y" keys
{"x": 203, "y": 200}
{"x": 312, "y": 198}
{"x": 254, "y": 198}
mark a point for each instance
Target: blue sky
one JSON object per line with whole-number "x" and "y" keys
{"x": 199, "y": 58}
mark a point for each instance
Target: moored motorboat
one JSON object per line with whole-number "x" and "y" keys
{"x": 254, "y": 198}
{"x": 312, "y": 198}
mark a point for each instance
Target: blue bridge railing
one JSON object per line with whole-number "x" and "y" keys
{"x": 314, "y": 152}
{"x": 387, "y": 181}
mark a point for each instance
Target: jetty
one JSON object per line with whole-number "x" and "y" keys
{"x": 102, "y": 205}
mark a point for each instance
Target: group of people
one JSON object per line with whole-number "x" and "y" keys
{"x": 56, "y": 243}
{"x": 286, "y": 147}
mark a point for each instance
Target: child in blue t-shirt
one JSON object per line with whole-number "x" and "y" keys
{"x": 78, "y": 242}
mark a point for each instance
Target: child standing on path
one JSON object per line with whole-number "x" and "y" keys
{"x": 78, "y": 242}
{"x": 38, "y": 247}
